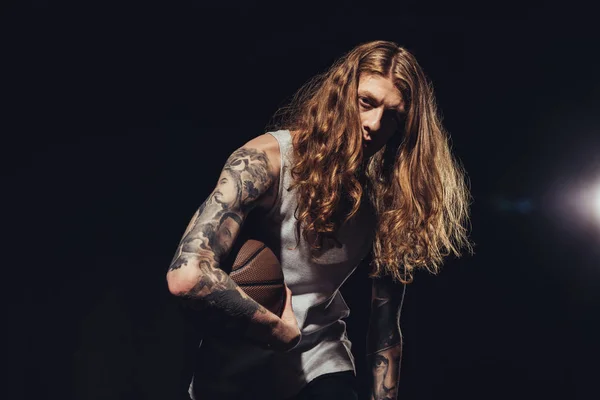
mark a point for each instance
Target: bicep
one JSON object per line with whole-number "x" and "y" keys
{"x": 209, "y": 236}
{"x": 386, "y": 303}
{"x": 385, "y": 293}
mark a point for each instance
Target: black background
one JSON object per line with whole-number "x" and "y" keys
{"x": 117, "y": 119}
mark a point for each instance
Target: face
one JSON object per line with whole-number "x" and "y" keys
{"x": 224, "y": 234}
{"x": 226, "y": 192}
{"x": 384, "y": 376}
{"x": 381, "y": 106}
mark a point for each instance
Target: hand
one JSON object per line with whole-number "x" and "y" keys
{"x": 290, "y": 334}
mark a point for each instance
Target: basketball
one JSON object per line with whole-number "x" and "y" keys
{"x": 257, "y": 271}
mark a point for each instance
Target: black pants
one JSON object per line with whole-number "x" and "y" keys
{"x": 333, "y": 386}
{"x": 337, "y": 385}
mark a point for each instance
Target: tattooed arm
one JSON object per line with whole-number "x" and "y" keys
{"x": 194, "y": 274}
{"x": 384, "y": 338}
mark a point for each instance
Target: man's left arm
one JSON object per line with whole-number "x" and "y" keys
{"x": 384, "y": 338}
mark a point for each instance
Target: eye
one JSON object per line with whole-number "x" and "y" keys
{"x": 380, "y": 362}
{"x": 364, "y": 102}
{"x": 392, "y": 116}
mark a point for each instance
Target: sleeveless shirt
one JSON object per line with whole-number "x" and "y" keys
{"x": 240, "y": 370}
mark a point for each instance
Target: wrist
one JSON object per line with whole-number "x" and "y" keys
{"x": 285, "y": 337}
{"x": 294, "y": 342}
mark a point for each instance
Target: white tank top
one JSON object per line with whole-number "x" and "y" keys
{"x": 237, "y": 370}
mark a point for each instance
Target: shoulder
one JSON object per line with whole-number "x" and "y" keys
{"x": 268, "y": 147}
{"x": 266, "y": 144}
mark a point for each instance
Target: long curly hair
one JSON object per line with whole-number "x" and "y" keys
{"x": 416, "y": 187}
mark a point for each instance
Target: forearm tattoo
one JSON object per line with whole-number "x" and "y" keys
{"x": 209, "y": 237}
{"x": 384, "y": 339}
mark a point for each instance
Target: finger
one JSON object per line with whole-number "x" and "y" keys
{"x": 288, "y": 297}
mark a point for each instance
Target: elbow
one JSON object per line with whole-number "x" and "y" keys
{"x": 176, "y": 288}
{"x": 181, "y": 281}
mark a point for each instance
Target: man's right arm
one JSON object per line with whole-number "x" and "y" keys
{"x": 194, "y": 274}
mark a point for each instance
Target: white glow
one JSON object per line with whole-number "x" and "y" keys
{"x": 590, "y": 202}
{"x": 596, "y": 202}
{"x": 576, "y": 201}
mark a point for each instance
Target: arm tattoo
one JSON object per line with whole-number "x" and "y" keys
{"x": 209, "y": 237}
{"x": 386, "y": 303}
{"x": 228, "y": 310}
{"x": 245, "y": 176}
{"x": 384, "y": 339}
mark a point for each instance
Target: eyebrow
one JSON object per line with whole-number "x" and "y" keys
{"x": 372, "y": 97}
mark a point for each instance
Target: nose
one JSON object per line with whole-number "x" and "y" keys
{"x": 373, "y": 122}
{"x": 389, "y": 381}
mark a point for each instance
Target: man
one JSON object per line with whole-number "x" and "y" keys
{"x": 361, "y": 164}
